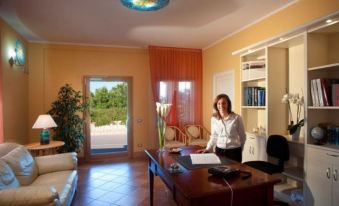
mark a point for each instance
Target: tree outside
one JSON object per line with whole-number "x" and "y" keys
{"x": 109, "y": 105}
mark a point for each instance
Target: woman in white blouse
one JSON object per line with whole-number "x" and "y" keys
{"x": 227, "y": 130}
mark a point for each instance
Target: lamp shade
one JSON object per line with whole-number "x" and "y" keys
{"x": 44, "y": 121}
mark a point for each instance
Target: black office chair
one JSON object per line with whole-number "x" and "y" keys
{"x": 277, "y": 147}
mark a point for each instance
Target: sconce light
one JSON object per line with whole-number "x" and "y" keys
{"x": 18, "y": 56}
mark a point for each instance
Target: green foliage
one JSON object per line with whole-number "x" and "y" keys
{"x": 70, "y": 126}
{"x": 107, "y": 106}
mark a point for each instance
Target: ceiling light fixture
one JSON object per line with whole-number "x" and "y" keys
{"x": 329, "y": 21}
{"x": 145, "y": 5}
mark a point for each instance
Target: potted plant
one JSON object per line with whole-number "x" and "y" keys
{"x": 65, "y": 112}
{"x": 299, "y": 102}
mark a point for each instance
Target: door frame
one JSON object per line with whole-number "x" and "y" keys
{"x": 87, "y": 142}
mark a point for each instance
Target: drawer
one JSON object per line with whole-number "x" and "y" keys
{"x": 322, "y": 155}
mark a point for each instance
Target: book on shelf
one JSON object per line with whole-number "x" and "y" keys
{"x": 324, "y": 92}
{"x": 335, "y": 94}
{"x": 320, "y": 94}
{"x": 254, "y": 96}
{"x": 314, "y": 93}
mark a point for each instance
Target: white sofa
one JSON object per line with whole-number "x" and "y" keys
{"x": 45, "y": 180}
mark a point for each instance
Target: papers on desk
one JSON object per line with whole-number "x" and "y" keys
{"x": 208, "y": 158}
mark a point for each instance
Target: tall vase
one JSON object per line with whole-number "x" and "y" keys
{"x": 296, "y": 134}
{"x": 161, "y": 133}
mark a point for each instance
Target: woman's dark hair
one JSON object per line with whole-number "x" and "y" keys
{"x": 215, "y": 107}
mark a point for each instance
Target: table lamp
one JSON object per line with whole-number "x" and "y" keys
{"x": 44, "y": 122}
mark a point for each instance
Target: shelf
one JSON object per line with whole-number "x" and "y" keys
{"x": 328, "y": 66}
{"x": 295, "y": 173}
{"x": 301, "y": 140}
{"x": 254, "y": 79}
{"x": 254, "y": 62}
{"x": 323, "y": 107}
{"x": 253, "y": 107}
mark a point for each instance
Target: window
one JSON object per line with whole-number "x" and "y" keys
{"x": 181, "y": 95}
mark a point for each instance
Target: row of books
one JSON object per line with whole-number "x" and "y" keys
{"x": 325, "y": 92}
{"x": 254, "y": 96}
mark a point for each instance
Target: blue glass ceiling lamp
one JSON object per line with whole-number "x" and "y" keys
{"x": 145, "y": 5}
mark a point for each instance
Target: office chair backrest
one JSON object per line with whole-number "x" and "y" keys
{"x": 277, "y": 146}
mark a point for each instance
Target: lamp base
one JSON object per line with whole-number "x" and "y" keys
{"x": 44, "y": 137}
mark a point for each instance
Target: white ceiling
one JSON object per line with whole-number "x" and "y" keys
{"x": 183, "y": 23}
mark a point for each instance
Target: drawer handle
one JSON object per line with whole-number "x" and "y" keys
{"x": 332, "y": 155}
{"x": 328, "y": 175}
{"x": 335, "y": 175}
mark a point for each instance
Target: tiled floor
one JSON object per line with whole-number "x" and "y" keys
{"x": 118, "y": 183}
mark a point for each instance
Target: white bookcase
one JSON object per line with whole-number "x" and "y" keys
{"x": 322, "y": 160}
{"x": 291, "y": 63}
{"x": 283, "y": 72}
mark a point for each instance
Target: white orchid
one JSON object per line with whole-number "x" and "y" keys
{"x": 163, "y": 109}
{"x": 299, "y": 101}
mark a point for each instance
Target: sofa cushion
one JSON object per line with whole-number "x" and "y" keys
{"x": 7, "y": 177}
{"x": 22, "y": 164}
{"x": 65, "y": 183}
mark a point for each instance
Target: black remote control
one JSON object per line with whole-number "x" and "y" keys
{"x": 224, "y": 172}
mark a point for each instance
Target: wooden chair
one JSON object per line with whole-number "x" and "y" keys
{"x": 197, "y": 135}
{"x": 174, "y": 137}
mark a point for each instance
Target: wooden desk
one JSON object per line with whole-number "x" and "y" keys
{"x": 37, "y": 149}
{"x": 197, "y": 187}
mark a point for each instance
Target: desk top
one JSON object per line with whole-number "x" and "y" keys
{"x": 198, "y": 182}
{"x": 38, "y": 146}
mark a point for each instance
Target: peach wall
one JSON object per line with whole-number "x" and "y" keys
{"x": 52, "y": 66}
{"x": 14, "y": 82}
{"x": 218, "y": 58}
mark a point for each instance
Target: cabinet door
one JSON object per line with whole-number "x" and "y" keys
{"x": 335, "y": 185}
{"x": 260, "y": 148}
{"x": 247, "y": 153}
{"x": 318, "y": 178}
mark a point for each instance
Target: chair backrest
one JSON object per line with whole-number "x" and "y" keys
{"x": 170, "y": 133}
{"x": 277, "y": 146}
{"x": 194, "y": 131}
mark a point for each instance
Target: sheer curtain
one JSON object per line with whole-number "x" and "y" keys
{"x": 176, "y": 76}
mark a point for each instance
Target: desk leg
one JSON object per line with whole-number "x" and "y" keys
{"x": 151, "y": 184}
{"x": 270, "y": 195}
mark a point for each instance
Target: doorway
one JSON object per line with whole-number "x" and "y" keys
{"x": 108, "y": 129}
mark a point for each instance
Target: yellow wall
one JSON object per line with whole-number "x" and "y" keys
{"x": 218, "y": 58}
{"x": 15, "y": 92}
{"x": 52, "y": 66}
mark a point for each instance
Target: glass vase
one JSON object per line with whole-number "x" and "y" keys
{"x": 161, "y": 133}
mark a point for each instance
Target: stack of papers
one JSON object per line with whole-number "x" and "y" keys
{"x": 208, "y": 158}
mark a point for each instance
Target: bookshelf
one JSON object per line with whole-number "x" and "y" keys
{"x": 253, "y": 104}
{"x": 322, "y": 160}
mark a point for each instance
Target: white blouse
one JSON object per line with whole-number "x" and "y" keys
{"x": 227, "y": 133}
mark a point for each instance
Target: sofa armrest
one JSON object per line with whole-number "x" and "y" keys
{"x": 57, "y": 162}
{"x": 30, "y": 195}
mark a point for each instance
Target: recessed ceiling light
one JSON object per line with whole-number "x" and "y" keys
{"x": 329, "y": 21}
{"x": 281, "y": 39}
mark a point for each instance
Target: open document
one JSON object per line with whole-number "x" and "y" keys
{"x": 206, "y": 158}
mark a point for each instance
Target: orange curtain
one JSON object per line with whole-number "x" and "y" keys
{"x": 1, "y": 103}
{"x": 175, "y": 65}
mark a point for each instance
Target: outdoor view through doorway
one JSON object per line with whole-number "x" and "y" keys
{"x": 108, "y": 113}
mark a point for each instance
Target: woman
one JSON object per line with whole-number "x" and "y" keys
{"x": 227, "y": 130}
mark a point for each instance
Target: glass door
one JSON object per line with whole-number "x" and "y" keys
{"x": 107, "y": 125}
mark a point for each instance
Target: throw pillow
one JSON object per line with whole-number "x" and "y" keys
{"x": 7, "y": 177}
{"x": 22, "y": 164}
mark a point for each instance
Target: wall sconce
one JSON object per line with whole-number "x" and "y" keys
{"x": 18, "y": 56}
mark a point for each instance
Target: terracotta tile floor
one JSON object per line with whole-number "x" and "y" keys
{"x": 118, "y": 183}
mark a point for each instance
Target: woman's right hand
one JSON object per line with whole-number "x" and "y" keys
{"x": 202, "y": 151}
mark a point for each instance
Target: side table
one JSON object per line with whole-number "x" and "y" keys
{"x": 37, "y": 149}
